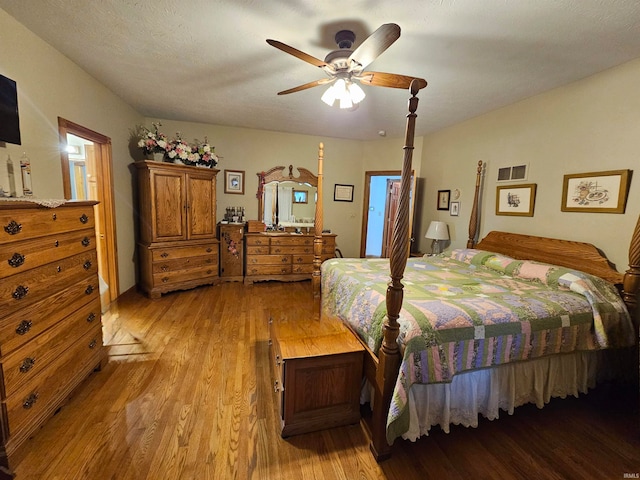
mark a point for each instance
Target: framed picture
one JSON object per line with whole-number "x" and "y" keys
{"x": 234, "y": 181}
{"x": 599, "y": 192}
{"x": 454, "y": 209}
{"x": 343, "y": 193}
{"x": 443, "y": 199}
{"x": 516, "y": 200}
{"x": 300, "y": 196}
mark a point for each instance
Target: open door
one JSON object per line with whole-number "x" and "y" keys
{"x": 87, "y": 175}
{"x": 381, "y": 197}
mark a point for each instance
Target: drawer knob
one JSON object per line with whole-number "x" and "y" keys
{"x": 56, "y": 243}
{"x": 27, "y": 364}
{"x": 277, "y": 360}
{"x": 165, "y": 280}
{"x": 24, "y": 327}
{"x": 13, "y": 227}
{"x": 87, "y": 265}
{"x": 30, "y": 401}
{"x": 84, "y": 218}
{"x": 164, "y": 268}
{"x": 209, "y": 250}
{"x": 284, "y": 260}
{"x": 276, "y": 386}
{"x": 16, "y": 260}
{"x": 91, "y": 317}
{"x": 54, "y": 217}
{"x": 58, "y": 269}
{"x": 89, "y": 290}
{"x": 86, "y": 242}
{"x": 93, "y": 344}
{"x": 20, "y": 292}
{"x": 164, "y": 255}
{"x": 209, "y": 271}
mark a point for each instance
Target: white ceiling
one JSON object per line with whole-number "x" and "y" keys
{"x": 207, "y": 60}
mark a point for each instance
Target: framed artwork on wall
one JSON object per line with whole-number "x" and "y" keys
{"x": 598, "y": 192}
{"x": 343, "y": 193}
{"x": 517, "y": 200}
{"x": 454, "y": 210}
{"x": 234, "y": 181}
{"x": 443, "y": 199}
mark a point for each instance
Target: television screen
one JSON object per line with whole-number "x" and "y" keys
{"x": 9, "y": 120}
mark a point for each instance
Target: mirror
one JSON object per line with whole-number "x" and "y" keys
{"x": 286, "y": 200}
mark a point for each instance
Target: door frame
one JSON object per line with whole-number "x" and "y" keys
{"x": 104, "y": 167}
{"x": 365, "y": 204}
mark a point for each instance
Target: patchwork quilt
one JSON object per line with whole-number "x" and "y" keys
{"x": 472, "y": 309}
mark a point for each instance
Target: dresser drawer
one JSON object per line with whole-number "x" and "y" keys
{"x": 292, "y": 240}
{"x": 256, "y": 240}
{"x": 170, "y": 253}
{"x": 257, "y": 249}
{"x": 22, "y": 289}
{"x": 18, "y": 257}
{"x": 185, "y": 274}
{"x": 268, "y": 260}
{"x": 22, "y": 224}
{"x": 35, "y": 400}
{"x": 23, "y": 364}
{"x": 21, "y": 326}
{"x": 268, "y": 269}
{"x": 177, "y": 264}
{"x": 276, "y": 249}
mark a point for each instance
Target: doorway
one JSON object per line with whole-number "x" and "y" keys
{"x": 381, "y": 196}
{"x": 87, "y": 175}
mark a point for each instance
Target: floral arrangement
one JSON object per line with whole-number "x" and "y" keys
{"x": 177, "y": 150}
{"x": 152, "y": 141}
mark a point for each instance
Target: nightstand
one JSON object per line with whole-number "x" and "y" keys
{"x": 317, "y": 375}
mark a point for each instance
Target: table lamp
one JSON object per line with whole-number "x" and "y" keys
{"x": 437, "y": 231}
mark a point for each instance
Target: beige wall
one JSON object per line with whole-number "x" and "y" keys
{"x": 51, "y": 86}
{"x": 589, "y": 126}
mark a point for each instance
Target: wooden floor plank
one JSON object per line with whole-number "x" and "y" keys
{"x": 187, "y": 394}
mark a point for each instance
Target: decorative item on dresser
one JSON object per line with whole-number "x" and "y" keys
{"x": 50, "y": 328}
{"x": 283, "y": 256}
{"x": 177, "y": 247}
{"x": 231, "y": 237}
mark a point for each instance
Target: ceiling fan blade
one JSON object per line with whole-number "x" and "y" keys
{"x": 297, "y": 53}
{"x": 375, "y": 44}
{"x": 322, "y": 81}
{"x": 393, "y": 80}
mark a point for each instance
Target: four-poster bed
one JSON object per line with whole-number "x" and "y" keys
{"x": 394, "y": 399}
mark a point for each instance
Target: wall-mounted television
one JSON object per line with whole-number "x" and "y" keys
{"x": 9, "y": 119}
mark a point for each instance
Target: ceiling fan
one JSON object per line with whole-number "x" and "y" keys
{"x": 345, "y": 66}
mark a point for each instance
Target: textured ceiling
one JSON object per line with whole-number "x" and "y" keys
{"x": 208, "y": 61}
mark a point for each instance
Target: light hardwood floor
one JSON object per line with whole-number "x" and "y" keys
{"x": 187, "y": 394}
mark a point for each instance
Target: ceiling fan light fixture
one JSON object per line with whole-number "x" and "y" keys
{"x": 346, "y": 92}
{"x": 357, "y": 94}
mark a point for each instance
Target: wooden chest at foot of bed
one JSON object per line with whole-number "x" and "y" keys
{"x": 317, "y": 376}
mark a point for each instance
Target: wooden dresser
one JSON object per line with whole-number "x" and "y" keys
{"x": 282, "y": 256}
{"x": 177, "y": 247}
{"x": 50, "y": 323}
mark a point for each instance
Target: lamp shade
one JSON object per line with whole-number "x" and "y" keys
{"x": 437, "y": 231}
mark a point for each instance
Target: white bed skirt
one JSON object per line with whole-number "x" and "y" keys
{"x": 486, "y": 392}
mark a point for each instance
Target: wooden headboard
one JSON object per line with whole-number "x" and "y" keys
{"x": 566, "y": 253}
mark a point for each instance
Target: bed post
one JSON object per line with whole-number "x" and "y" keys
{"x": 473, "y": 221}
{"x": 631, "y": 282}
{"x": 317, "y": 240}
{"x": 389, "y": 353}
